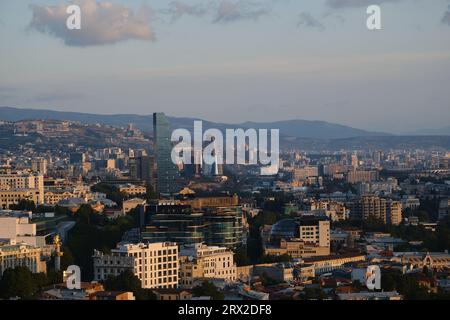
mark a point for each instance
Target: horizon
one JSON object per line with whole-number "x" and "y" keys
{"x": 418, "y": 132}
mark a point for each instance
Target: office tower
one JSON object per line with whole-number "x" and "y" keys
{"x": 166, "y": 171}
{"x": 155, "y": 264}
{"x": 143, "y": 168}
{"x": 39, "y": 165}
{"x": 173, "y": 221}
{"x": 217, "y": 221}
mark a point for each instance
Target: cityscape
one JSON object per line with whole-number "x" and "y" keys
{"x": 131, "y": 177}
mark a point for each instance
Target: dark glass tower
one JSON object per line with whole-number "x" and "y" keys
{"x": 166, "y": 171}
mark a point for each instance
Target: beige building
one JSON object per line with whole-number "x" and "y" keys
{"x": 330, "y": 263}
{"x": 356, "y": 176}
{"x": 132, "y": 190}
{"x": 371, "y": 206}
{"x": 297, "y": 248}
{"x": 334, "y": 210}
{"x": 202, "y": 261}
{"x": 155, "y": 264}
{"x": 11, "y": 197}
{"x": 131, "y": 204}
{"x": 394, "y": 213}
{"x": 23, "y": 181}
{"x": 15, "y": 255}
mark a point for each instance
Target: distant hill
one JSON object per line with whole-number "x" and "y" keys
{"x": 434, "y": 132}
{"x": 293, "y": 128}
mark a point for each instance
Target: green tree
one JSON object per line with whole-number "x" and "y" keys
{"x": 18, "y": 282}
{"x": 208, "y": 289}
{"x": 127, "y": 281}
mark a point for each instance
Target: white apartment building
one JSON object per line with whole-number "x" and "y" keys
{"x": 155, "y": 264}
{"x": 202, "y": 261}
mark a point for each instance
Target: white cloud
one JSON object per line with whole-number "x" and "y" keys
{"x": 102, "y": 23}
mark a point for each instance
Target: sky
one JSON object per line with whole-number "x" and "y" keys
{"x": 233, "y": 60}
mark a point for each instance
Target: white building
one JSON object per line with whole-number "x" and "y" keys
{"x": 15, "y": 226}
{"x": 155, "y": 264}
{"x": 202, "y": 261}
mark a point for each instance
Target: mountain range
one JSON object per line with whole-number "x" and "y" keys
{"x": 288, "y": 128}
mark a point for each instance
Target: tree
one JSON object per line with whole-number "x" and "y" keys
{"x": 208, "y": 289}
{"x": 24, "y": 205}
{"x": 127, "y": 281}
{"x": 240, "y": 256}
{"x": 18, "y": 282}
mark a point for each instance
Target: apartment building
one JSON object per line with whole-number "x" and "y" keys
{"x": 14, "y": 186}
{"x": 155, "y": 264}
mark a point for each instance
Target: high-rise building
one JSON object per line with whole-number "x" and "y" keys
{"x": 166, "y": 171}
{"x": 371, "y": 206}
{"x": 143, "y": 168}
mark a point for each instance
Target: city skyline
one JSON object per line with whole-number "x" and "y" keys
{"x": 236, "y": 61}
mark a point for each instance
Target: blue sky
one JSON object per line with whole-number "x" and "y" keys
{"x": 235, "y": 61}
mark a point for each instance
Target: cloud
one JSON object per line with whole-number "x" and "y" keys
{"x": 307, "y": 20}
{"x": 178, "y": 9}
{"x": 102, "y": 23}
{"x": 446, "y": 18}
{"x": 231, "y": 11}
{"x": 337, "y": 4}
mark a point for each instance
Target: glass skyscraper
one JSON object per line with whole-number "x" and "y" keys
{"x": 166, "y": 171}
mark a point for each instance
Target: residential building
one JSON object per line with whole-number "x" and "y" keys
{"x": 155, "y": 264}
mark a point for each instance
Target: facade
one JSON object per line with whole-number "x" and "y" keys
{"x": 21, "y": 184}
{"x": 155, "y": 264}
{"x": 180, "y": 222}
{"x": 166, "y": 171}
{"x": 371, "y": 206}
{"x": 132, "y": 190}
{"x": 12, "y": 197}
{"x": 39, "y": 165}
{"x": 143, "y": 168}
{"x": 131, "y": 204}
{"x": 330, "y": 263}
{"x": 356, "y": 176}
{"x": 304, "y": 236}
{"x": 334, "y": 210}
{"x": 202, "y": 261}
{"x": 16, "y": 227}
{"x": 15, "y": 255}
